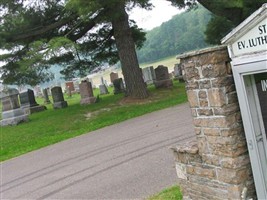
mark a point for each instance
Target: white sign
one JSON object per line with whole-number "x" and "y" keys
{"x": 253, "y": 41}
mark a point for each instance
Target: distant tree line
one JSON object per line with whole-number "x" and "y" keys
{"x": 184, "y": 32}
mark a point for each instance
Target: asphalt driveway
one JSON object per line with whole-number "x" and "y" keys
{"x": 129, "y": 160}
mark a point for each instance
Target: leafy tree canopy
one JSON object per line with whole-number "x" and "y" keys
{"x": 226, "y": 15}
{"x": 76, "y": 34}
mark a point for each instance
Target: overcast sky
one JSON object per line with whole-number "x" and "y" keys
{"x": 163, "y": 11}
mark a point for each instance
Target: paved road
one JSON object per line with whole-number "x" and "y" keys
{"x": 129, "y": 160}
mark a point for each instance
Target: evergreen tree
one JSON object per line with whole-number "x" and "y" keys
{"x": 78, "y": 34}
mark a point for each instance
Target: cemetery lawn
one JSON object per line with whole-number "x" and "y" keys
{"x": 172, "y": 193}
{"x": 52, "y": 126}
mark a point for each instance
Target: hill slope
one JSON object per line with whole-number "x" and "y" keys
{"x": 184, "y": 32}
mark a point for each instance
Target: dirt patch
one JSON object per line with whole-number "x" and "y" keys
{"x": 89, "y": 115}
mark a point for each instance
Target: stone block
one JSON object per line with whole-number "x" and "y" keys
{"x": 203, "y": 103}
{"x": 192, "y": 85}
{"x": 198, "y": 130}
{"x": 227, "y": 109}
{"x": 202, "y": 94}
{"x": 224, "y": 81}
{"x": 191, "y": 72}
{"x": 227, "y": 132}
{"x": 204, "y": 112}
{"x": 234, "y": 163}
{"x": 204, "y": 171}
{"x": 217, "y": 97}
{"x": 88, "y": 100}
{"x": 211, "y": 131}
{"x": 203, "y": 146}
{"x": 61, "y": 104}
{"x": 232, "y": 98}
{"x": 38, "y": 108}
{"x": 163, "y": 83}
{"x": 232, "y": 176}
{"x": 211, "y": 159}
{"x": 194, "y": 112}
{"x": 14, "y": 120}
{"x": 203, "y": 122}
{"x": 192, "y": 96}
{"x": 204, "y": 84}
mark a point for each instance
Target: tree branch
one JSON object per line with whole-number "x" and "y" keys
{"x": 27, "y": 35}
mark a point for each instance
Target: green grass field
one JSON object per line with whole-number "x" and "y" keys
{"x": 52, "y": 126}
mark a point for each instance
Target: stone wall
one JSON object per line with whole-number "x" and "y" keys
{"x": 217, "y": 165}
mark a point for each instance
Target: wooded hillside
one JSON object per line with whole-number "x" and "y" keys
{"x": 184, "y": 32}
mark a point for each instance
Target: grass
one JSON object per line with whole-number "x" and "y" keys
{"x": 52, "y": 126}
{"x": 172, "y": 193}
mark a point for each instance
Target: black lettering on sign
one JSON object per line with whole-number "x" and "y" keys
{"x": 264, "y": 85}
{"x": 262, "y": 29}
{"x": 241, "y": 44}
{"x": 261, "y": 84}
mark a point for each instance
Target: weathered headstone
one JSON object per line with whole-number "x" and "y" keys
{"x": 69, "y": 92}
{"x": 113, "y": 76}
{"x": 162, "y": 77}
{"x": 178, "y": 72}
{"x": 149, "y": 75}
{"x": 86, "y": 92}
{"x": 46, "y": 97}
{"x": 12, "y": 114}
{"x": 37, "y": 91}
{"x": 70, "y": 86}
{"x": 102, "y": 80}
{"x": 28, "y": 102}
{"x": 58, "y": 98}
{"x": 27, "y": 98}
{"x": 103, "y": 89}
{"x": 118, "y": 86}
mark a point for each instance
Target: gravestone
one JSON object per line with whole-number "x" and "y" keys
{"x": 12, "y": 114}
{"x": 58, "y": 98}
{"x": 27, "y": 99}
{"x": 149, "y": 75}
{"x": 69, "y": 91}
{"x": 103, "y": 89}
{"x": 178, "y": 72}
{"x": 113, "y": 76}
{"x": 70, "y": 86}
{"x": 162, "y": 77}
{"x": 118, "y": 86}
{"x": 28, "y": 102}
{"x": 102, "y": 80}
{"x": 86, "y": 92}
{"x": 38, "y": 91}
{"x": 46, "y": 97}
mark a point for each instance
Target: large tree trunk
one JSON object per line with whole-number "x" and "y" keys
{"x": 135, "y": 85}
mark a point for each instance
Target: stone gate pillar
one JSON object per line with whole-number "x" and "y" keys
{"x": 217, "y": 166}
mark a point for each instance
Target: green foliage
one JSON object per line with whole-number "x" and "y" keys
{"x": 227, "y": 15}
{"x": 172, "y": 193}
{"x": 184, "y": 32}
{"x": 75, "y": 34}
{"x": 217, "y": 28}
